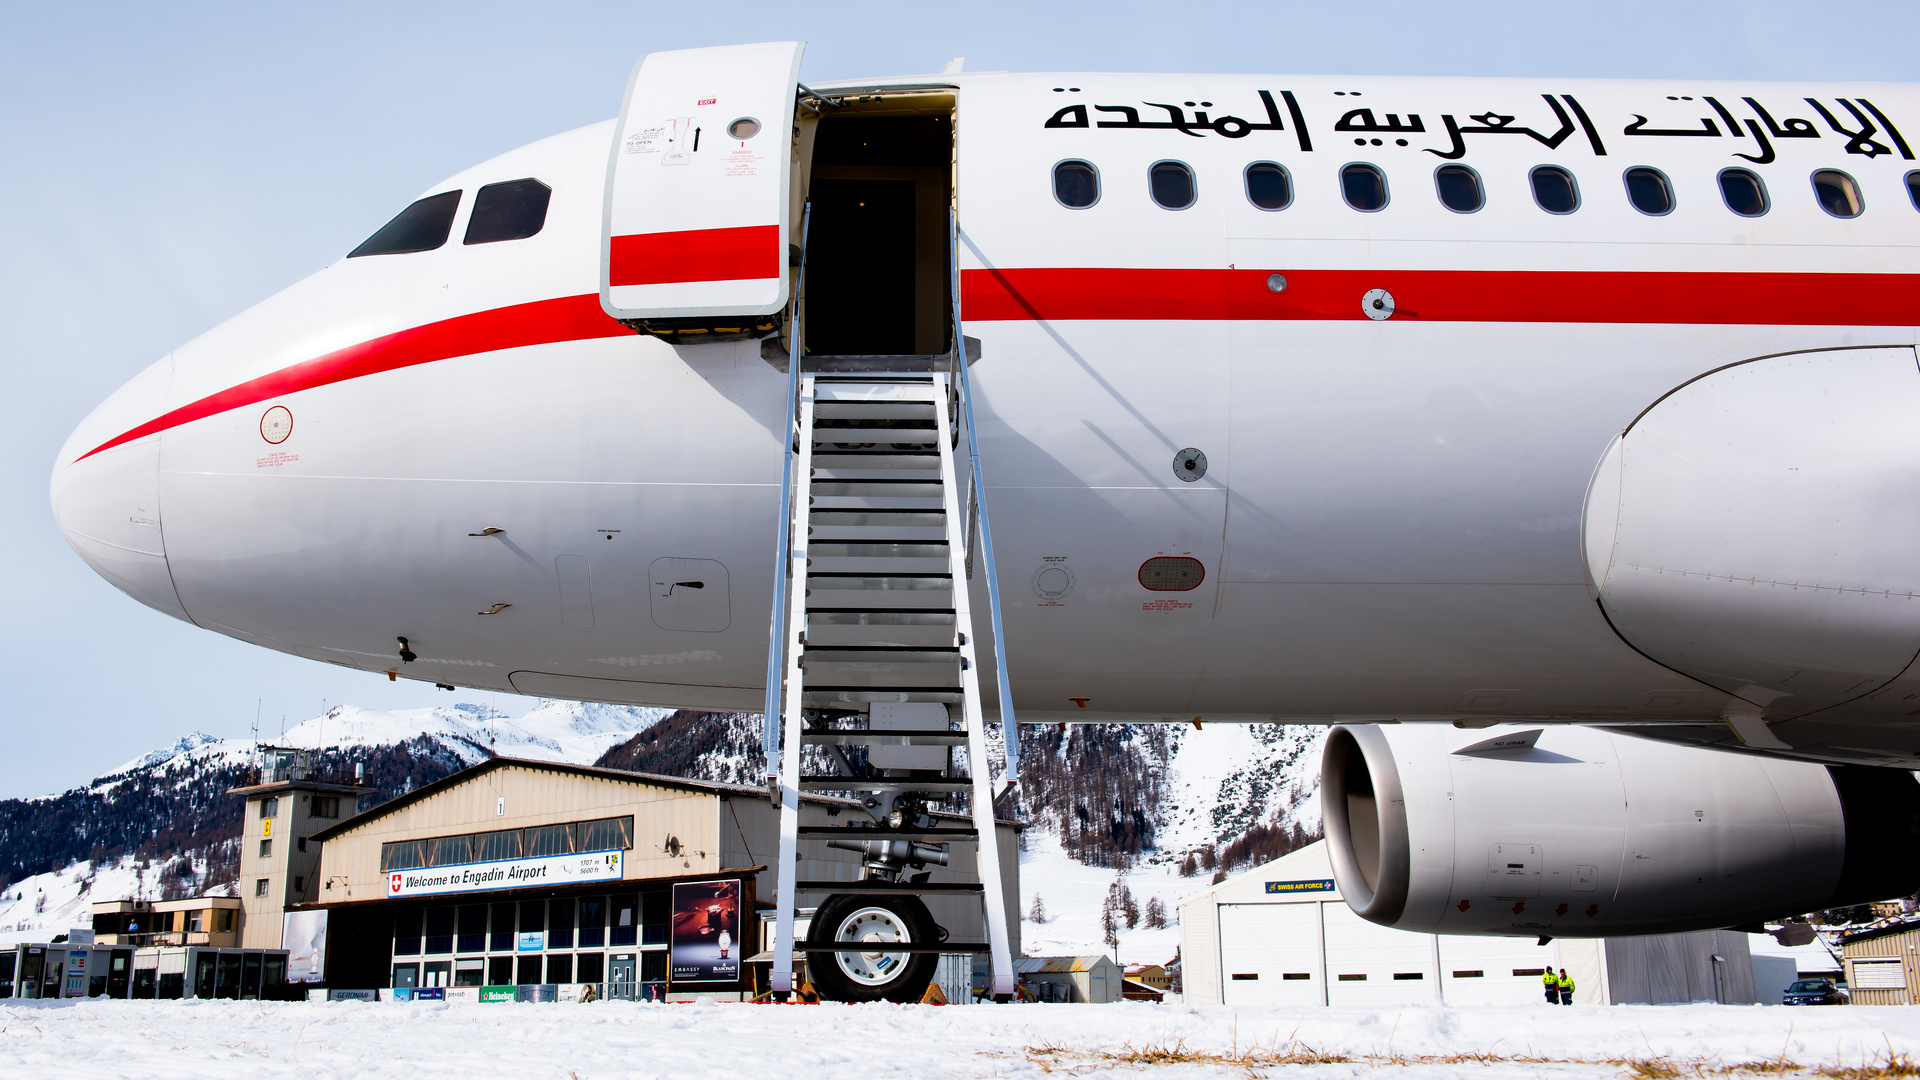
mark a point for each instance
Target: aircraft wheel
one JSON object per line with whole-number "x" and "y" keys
{"x": 871, "y": 974}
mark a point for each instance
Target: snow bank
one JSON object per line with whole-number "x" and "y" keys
{"x": 873, "y": 1042}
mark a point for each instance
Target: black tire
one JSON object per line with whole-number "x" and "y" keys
{"x": 875, "y": 976}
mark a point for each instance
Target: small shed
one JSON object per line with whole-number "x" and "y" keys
{"x": 1085, "y": 979}
{"x": 1883, "y": 964}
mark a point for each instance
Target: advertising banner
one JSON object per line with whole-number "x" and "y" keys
{"x": 498, "y": 993}
{"x": 506, "y": 874}
{"x": 706, "y": 943}
{"x": 304, "y": 933}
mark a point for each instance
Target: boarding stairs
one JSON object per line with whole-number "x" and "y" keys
{"x": 875, "y": 660}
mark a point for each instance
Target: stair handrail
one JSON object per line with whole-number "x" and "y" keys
{"x": 977, "y": 506}
{"x": 782, "y": 568}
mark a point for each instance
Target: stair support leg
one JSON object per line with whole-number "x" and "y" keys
{"x": 987, "y": 850}
{"x": 794, "y": 711}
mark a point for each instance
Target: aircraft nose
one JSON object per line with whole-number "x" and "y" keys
{"x": 106, "y": 493}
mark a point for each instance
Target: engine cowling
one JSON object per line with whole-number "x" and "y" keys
{"x": 1580, "y": 832}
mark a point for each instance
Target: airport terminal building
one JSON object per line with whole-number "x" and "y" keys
{"x": 532, "y": 873}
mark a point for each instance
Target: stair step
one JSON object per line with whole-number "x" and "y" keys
{"x": 856, "y": 465}
{"x": 877, "y": 832}
{"x": 820, "y": 697}
{"x": 877, "y": 533}
{"x": 889, "y": 887}
{"x": 899, "y": 491}
{"x": 878, "y": 565}
{"x": 879, "y": 783}
{"x": 886, "y": 738}
{"x": 818, "y": 655}
{"x": 884, "y": 409}
{"x": 908, "y": 517}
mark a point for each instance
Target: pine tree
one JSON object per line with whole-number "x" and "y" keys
{"x": 1128, "y": 908}
{"x": 1189, "y": 866}
{"x": 1038, "y": 913}
{"x": 1156, "y": 914}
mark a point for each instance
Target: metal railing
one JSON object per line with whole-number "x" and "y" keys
{"x": 782, "y": 564}
{"x": 977, "y": 511}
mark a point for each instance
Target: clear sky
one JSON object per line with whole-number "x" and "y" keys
{"x": 163, "y": 167}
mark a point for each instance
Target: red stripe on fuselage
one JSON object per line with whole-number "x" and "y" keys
{"x": 543, "y": 322}
{"x": 1120, "y": 295}
{"x": 1520, "y": 296}
{"x": 665, "y": 258}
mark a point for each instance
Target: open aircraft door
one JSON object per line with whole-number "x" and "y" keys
{"x": 696, "y": 223}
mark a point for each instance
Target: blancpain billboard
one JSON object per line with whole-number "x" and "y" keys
{"x": 506, "y": 874}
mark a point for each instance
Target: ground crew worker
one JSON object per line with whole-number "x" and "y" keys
{"x": 1551, "y": 985}
{"x": 1566, "y": 987}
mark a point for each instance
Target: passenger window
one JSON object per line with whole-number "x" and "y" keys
{"x": 1913, "y": 188}
{"x": 1268, "y": 186}
{"x": 1172, "y": 184}
{"x": 1745, "y": 192}
{"x": 1459, "y": 188}
{"x": 1838, "y": 194}
{"x": 1649, "y": 191}
{"x": 513, "y": 210}
{"x": 420, "y": 227}
{"x": 1364, "y": 186}
{"x": 1554, "y": 190}
{"x": 1076, "y": 184}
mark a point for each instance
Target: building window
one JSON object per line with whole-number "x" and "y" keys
{"x": 266, "y": 849}
{"x": 260, "y": 887}
{"x": 301, "y": 843}
{"x": 326, "y": 806}
{"x": 223, "y": 920}
{"x": 196, "y": 921}
{"x": 269, "y": 808}
{"x": 299, "y": 884}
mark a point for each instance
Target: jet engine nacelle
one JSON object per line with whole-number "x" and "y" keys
{"x": 1579, "y": 832}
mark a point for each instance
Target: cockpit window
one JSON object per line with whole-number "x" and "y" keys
{"x": 513, "y": 210}
{"x": 420, "y": 227}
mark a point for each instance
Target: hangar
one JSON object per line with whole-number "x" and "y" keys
{"x": 1281, "y": 934}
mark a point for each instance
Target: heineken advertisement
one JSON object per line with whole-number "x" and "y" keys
{"x": 581, "y": 866}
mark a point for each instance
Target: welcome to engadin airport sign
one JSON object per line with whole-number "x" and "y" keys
{"x": 571, "y": 869}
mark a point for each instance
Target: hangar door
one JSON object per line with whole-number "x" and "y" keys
{"x": 1270, "y": 954}
{"x": 1369, "y": 964}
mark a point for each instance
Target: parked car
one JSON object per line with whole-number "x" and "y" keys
{"x": 1814, "y": 992}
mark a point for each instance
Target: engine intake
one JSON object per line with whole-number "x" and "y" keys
{"x": 1582, "y": 832}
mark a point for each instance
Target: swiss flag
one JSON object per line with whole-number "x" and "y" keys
{"x": 393, "y": 883}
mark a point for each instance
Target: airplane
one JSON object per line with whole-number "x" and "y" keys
{"x": 1550, "y": 439}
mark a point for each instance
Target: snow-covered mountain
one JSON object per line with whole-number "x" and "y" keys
{"x": 162, "y": 825}
{"x": 1156, "y": 810}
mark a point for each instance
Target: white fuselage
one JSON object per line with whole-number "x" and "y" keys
{"x": 1391, "y": 516}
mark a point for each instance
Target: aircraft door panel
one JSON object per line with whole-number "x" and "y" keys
{"x": 696, "y": 220}
{"x": 689, "y": 594}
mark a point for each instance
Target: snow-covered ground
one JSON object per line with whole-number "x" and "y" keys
{"x": 255, "y": 1040}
